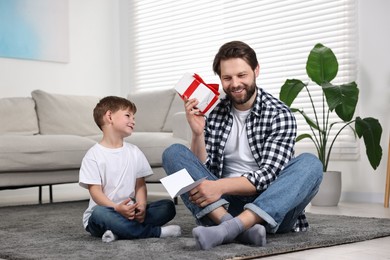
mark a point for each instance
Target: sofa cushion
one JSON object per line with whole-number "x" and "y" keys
{"x": 152, "y": 108}
{"x": 176, "y": 107}
{"x": 42, "y": 152}
{"x": 18, "y": 116}
{"x": 152, "y": 144}
{"x": 65, "y": 114}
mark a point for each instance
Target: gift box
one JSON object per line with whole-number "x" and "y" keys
{"x": 193, "y": 86}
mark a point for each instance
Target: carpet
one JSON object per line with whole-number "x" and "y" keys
{"x": 54, "y": 231}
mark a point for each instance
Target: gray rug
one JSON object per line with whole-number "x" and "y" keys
{"x": 54, "y": 231}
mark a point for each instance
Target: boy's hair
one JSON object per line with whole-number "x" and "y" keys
{"x": 113, "y": 104}
{"x": 235, "y": 49}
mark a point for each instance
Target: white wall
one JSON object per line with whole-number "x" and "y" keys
{"x": 360, "y": 181}
{"x": 95, "y": 65}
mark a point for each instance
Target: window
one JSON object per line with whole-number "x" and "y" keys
{"x": 168, "y": 38}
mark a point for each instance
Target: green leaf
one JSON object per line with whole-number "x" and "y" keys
{"x": 342, "y": 98}
{"x": 322, "y": 65}
{"x": 308, "y": 120}
{"x": 371, "y": 130}
{"x": 303, "y": 136}
{"x": 290, "y": 91}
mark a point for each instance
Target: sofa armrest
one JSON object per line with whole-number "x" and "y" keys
{"x": 180, "y": 127}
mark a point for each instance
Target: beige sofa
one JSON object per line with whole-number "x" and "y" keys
{"x": 43, "y": 138}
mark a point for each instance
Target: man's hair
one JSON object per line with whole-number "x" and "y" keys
{"x": 235, "y": 49}
{"x": 113, "y": 104}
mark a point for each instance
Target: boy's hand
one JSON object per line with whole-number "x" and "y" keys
{"x": 140, "y": 212}
{"x": 128, "y": 211}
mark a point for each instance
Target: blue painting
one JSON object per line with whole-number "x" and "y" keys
{"x": 35, "y": 30}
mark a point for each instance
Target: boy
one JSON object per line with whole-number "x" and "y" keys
{"x": 113, "y": 171}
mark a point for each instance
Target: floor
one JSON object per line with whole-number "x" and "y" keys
{"x": 373, "y": 249}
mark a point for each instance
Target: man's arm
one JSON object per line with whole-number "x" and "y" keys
{"x": 196, "y": 122}
{"x": 210, "y": 191}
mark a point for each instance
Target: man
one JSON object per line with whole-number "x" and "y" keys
{"x": 245, "y": 148}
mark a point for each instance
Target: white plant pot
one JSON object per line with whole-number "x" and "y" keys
{"x": 330, "y": 190}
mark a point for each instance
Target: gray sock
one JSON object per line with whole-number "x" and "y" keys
{"x": 209, "y": 237}
{"x": 256, "y": 235}
{"x": 226, "y": 217}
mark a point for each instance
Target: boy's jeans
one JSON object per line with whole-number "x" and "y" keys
{"x": 158, "y": 213}
{"x": 279, "y": 205}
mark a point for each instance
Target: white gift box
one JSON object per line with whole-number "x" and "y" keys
{"x": 193, "y": 86}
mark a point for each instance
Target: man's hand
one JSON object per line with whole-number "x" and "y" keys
{"x": 205, "y": 193}
{"x": 194, "y": 117}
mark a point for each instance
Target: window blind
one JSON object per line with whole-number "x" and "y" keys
{"x": 168, "y": 38}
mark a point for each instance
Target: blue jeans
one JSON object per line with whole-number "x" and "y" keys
{"x": 158, "y": 213}
{"x": 279, "y": 205}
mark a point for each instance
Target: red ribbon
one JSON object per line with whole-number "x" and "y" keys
{"x": 198, "y": 80}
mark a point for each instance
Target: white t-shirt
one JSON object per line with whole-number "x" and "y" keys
{"x": 116, "y": 170}
{"x": 238, "y": 156}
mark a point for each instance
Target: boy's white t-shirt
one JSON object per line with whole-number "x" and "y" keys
{"x": 116, "y": 170}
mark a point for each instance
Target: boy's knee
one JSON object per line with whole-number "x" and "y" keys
{"x": 169, "y": 208}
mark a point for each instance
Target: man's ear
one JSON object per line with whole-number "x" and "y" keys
{"x": 257, "y": 70}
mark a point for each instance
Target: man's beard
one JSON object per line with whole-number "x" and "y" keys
{"x": 249, "y": 92}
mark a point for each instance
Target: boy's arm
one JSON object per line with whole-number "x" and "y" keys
{"x": 141, "y": 198}
{"x": 101, "y": 199}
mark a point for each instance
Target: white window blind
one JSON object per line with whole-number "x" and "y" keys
{"x": 168, "y": 38}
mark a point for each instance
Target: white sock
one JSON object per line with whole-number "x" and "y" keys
{"x": 108, "y": 237}
{"x": 170, "y": 231}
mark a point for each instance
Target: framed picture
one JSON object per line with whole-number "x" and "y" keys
{"x": 36, "y": 30}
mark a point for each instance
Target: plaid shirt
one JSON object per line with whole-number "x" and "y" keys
{"x": 271, "y": 130}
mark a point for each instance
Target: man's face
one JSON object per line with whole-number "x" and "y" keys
{"x": 239, "y": 82}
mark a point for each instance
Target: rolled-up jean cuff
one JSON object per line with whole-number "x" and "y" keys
{"x": 271, "y": 226}
{"x": 206, "y": 210}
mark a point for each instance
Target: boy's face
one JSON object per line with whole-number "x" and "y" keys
{"x": 123, "y": 122}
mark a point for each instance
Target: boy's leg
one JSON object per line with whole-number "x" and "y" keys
{"x": 106, "y": 218}
{"x": 160, "y": 212}
{"x": 283, "y": 201}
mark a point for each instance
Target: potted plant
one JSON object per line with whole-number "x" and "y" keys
{"x": 322, "y": 68}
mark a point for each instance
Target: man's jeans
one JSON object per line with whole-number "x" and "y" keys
{"x": 158, "y": 213}
{"x": 279, "y": 205}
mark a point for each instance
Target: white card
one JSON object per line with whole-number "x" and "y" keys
{"x": 179, "y": 182}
